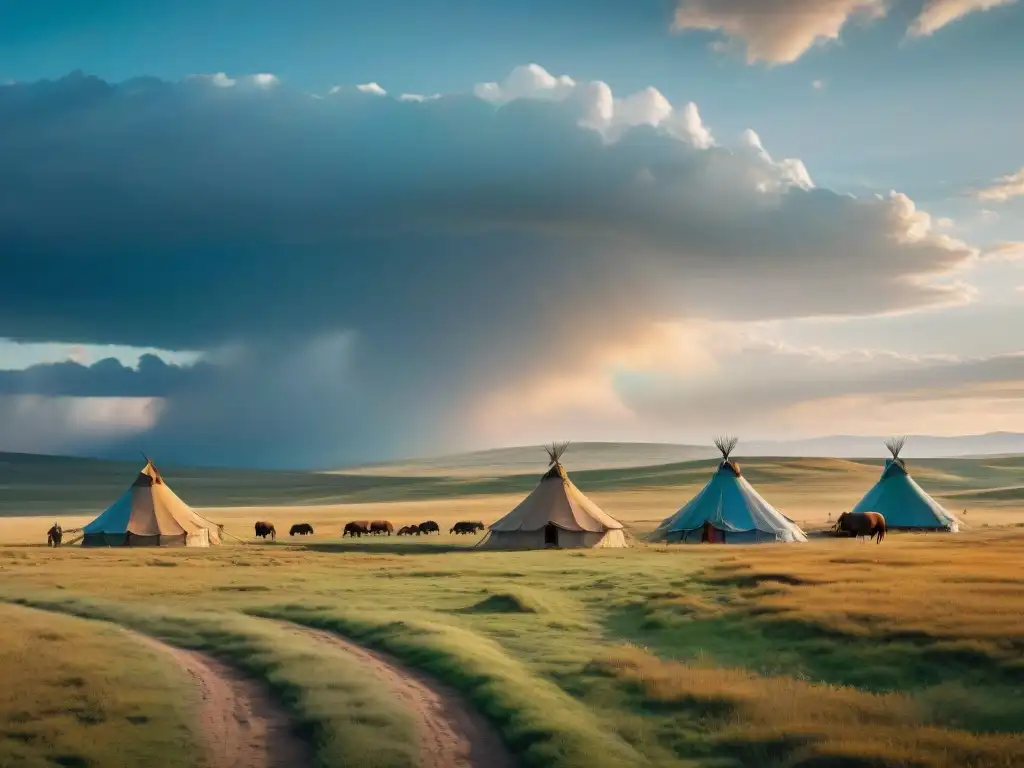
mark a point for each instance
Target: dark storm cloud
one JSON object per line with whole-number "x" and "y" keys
{"x": 453, "y": 244}
{"x": 152, "y": 377}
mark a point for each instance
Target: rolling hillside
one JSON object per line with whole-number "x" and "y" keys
{"x": 526, "y": 459}
{"x": 44, "y": 485}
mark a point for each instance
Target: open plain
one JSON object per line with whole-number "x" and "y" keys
{"x": 424, "y": 651}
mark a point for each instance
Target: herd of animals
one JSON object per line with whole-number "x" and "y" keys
{"x": 360, "y": 528}
{"x": 853, "y": 524}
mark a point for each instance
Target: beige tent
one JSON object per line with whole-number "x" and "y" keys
{"x": 556, "y": 514}
{"x": 150, "y": 514}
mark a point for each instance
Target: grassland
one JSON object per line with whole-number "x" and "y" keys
{"x": 79, "y": 693}
{"x": 834, "y": 653}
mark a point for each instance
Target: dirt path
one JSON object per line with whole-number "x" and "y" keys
{"x": 241, "y": 724}
{"x": 452, "y": 734}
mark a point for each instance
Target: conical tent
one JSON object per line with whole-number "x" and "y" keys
{"x": 556, "y": 514}
{"x": 901, "y": 501}
{"x": 150, "y": 514}
{"x": 728, "y": 511}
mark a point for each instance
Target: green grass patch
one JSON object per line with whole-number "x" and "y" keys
{"x": 336, "y": 705}
{"x": 781, "y": 721}
{"x": 967, "y": 685}
{"x": 539, "y": 721}
{"x": 83, "y": 693}
{"x": 520, "y": 600}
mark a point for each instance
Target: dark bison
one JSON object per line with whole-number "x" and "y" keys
{"x": 54, "y": 535}
{"x": 407, "y": 530}
{"x": 263, "y": 530}
{"x": 463, "y": 527}
{"x": 357, "y": 528}
{"x": 301, "y": 529}
{"x": 870, "y": 524}
{"x": 381, "y": 526}
{"x": 429, "y": 527}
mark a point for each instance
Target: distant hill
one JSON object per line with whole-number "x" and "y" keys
{"x": 54, "y": 485}
{"x": 31, "y": 484}
{"x": 587, "y": 456}
{"x": 532, "y": 459}
{"x": 918, "y": 446}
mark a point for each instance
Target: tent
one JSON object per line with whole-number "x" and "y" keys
{"x": 901, "y": 501}
{"x": 556, "y": 514}
{"x": 728, "y": 511}
{"x": 149, "y": 514}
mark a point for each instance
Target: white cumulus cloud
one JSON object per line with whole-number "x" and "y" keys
{"x": 597, "y": 107}
{"x": 781, "y": 31}
{"x": 775, "y": 31}
{"x": 1002, "y": 189}
{"x": 935, "y": 14}
{"x": 372, "y": 88}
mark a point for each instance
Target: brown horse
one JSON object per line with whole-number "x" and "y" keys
{"x": 870, "y": 524}
{"x": 381, "y": 526}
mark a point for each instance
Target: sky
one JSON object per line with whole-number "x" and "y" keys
{"x": 316, "y": 233}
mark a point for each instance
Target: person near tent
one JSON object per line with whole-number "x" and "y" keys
{"x": 54, "y": 535}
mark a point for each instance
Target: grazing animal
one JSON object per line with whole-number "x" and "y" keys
{"x": 357, "y": 528}
{"x": 429, "y": 527}
{"x": 463, "y": 527}
{"x": 870, "y": 524}
{"x": 263, "y": 530}
{"x": 53, "y": 536}
{"x": 407, "y": 530}
{"x": 302, "y": 529}
{"x": 381, "y": 526}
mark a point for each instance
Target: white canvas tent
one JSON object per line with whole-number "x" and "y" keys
{"x": 728, "y": 511}
{"x": 150, "y": 514}
{"x": 902, "y": 502}
{"x": 556, "y": 514}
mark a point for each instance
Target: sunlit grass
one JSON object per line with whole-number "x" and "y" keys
{"x": 80, "y": 693}
{"x": 829, "y": 653}
{"x": 778, "y": 720}
{"x": 336, "y": 705}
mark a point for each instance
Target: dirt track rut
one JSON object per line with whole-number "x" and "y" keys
{"x": 452, "y": 734}
{"x": 241, "y": 725}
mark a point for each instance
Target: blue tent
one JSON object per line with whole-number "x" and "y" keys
{"x": 729, "y": 511}
{"x": 902, "y": 502}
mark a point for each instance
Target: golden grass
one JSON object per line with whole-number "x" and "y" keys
{"x": 559, "y": 616}
{"x": 771, "y": 717}
{"x": 80, "y": 693}
{"x": 968, "y": 589}
{"x": 751, "y": 653}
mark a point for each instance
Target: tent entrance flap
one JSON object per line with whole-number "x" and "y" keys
{"x": 712, "y": 535}
{"x": 550, "y": 535}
